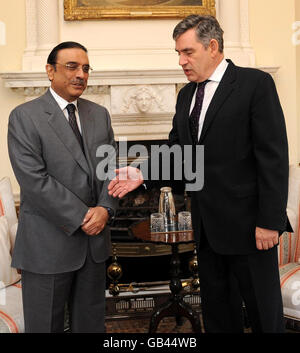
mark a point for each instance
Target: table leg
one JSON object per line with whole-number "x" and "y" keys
{"x": 176, "y": 305}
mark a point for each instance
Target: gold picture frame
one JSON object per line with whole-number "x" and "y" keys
{"x": 133, "y": 9}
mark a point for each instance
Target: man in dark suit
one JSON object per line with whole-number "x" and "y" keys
{"x": 241, "y": 210}
{"x": 63, "y": 239}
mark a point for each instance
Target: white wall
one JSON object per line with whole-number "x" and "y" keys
{"x": 297, "y": 19}
{"x": 271, "y": 37}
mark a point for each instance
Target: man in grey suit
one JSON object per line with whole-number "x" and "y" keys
{"x": 63, "y": 239}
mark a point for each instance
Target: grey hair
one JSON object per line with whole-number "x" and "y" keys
{"x": 206, "y": 27}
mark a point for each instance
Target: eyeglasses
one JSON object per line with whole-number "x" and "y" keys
{"x": 75, "y": 66}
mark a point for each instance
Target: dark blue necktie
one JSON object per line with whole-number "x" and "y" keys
{"x": 195, "y": 114}
{"x": 73, "y": 123}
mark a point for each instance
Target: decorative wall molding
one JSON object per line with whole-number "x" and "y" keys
{"x": 97, "y": 77}
{"x": 2, "y": 33}
{"x": 270, "y": 69}
{"x": 142, "y": 99}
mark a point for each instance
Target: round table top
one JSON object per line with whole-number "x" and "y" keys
{"x": 141, "y": 230}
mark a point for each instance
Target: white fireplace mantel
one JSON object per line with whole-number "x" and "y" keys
{"x": 116, "y": 77}
{"x": 135, "y": 99}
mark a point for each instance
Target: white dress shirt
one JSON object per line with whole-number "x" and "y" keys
{"x": 63, "y": 106}
{"x": 209, "y": 91}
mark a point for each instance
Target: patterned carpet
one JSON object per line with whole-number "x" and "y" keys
{"x": 167, "y": 325}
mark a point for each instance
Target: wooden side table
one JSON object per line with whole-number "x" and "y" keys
{"x": 175, "y": 306}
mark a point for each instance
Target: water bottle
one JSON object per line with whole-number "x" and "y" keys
{"x": 167, "y": 207}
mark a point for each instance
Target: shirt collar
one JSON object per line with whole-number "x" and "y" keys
{"x": 61, "y": 101}
{"x": 219, "y": 71}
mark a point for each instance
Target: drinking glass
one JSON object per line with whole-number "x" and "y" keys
{"x": 156, "y": 222}
{"x": 184, "y": 220}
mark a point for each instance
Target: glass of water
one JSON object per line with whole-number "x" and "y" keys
{"x": 184, "y": 220}
{"x": 157, "y": 222}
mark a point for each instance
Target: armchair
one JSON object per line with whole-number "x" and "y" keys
{"x": 11, "y": 306}
{"x": 289, "y": 254}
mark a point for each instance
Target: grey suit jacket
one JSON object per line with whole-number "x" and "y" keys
{"x": 58, "y": 184}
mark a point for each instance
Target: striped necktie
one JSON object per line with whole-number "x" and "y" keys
{"x": 73, "y": 123}
{"x": 195, "y": 115}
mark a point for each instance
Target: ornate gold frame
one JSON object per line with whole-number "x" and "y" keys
{"x": 73, "y": 12}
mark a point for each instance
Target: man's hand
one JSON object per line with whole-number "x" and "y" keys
{"x": 126, "y": 180}
{"x": 266, "y": 238}
{"x": 95, "y": 220}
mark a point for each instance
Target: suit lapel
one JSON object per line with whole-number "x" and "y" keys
{"x": 88, "y": 129}
{"x": 185, "y": 127}
{"x": 223, "y": 91}
{"x": 61, "y": 127}
{"x": 87, "y": 124}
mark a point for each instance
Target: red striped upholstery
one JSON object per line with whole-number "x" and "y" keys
{"x": 1, "y": 209}
{"x": 9, "y": 321}
{"x": 11, "y": 309}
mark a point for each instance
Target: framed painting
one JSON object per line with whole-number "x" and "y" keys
{"x": 125, "y": 9}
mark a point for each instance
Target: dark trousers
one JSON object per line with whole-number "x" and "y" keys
{"x": 45, "y": 298}
{"x": 228, "y": 280}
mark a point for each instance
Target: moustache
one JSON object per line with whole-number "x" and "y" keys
{"x": 78, "y": 81}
